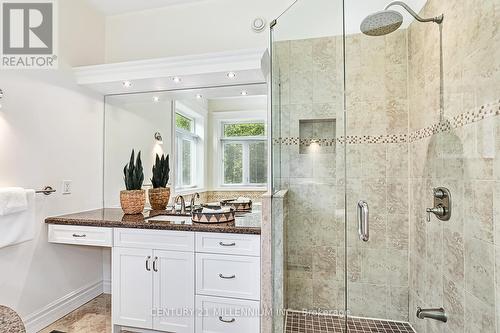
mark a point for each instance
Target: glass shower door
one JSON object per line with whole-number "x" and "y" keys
{"x": 308, "y": 172}
{"x": 377, "y": 188}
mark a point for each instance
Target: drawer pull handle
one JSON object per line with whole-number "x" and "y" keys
{"x": 232, "y": 320}
{"x": 155, "y": 268}
{"x": 147, "y": 263}
{"x": 227, "y": 277}
{"x": 79, "y": 236}
{"x": 227, "y": 244}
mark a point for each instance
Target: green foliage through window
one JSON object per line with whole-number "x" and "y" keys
{"x": 183, "y": 122}
{"x": 233, "y": 163}
{"x": 244, "y": 129}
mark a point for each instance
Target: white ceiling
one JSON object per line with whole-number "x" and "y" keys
{"x": 305, "y": 19}
{"x": 113, "y": 7}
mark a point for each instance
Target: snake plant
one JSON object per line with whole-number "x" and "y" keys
{"x": 161, "y": 170}
{"x": 134, "y": 173}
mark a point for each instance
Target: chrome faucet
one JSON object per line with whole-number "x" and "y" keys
{"x": 183, "y": 204}
{"x": 193, "y": 199}
{"x": 435, "y": 313}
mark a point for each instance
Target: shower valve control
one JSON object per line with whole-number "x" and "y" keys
{"x": 442, "y": 204}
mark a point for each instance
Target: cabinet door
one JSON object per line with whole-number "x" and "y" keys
{"x": 173, "y": 292}
{"x": 132, "y": 282}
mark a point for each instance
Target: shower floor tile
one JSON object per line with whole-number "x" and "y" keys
{"x": 297, "y": 322}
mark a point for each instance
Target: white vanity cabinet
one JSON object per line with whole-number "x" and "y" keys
{"x": 177, "y": 281}
{"x": 227, "y": 283}
{"x": 152, "y": 288}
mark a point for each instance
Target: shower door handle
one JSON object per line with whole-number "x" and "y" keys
{"x": 363, "y": 221}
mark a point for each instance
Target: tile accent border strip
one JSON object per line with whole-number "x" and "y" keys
{"x": 463, "y": 119}
{"x": 466, "y": 118}
{"x": 295, "y": 141}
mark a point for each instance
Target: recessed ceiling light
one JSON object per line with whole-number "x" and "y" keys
{"x": 127, "y": 84}
{"x": 156, "y": 99}
{"x": 244, "y": 93}
{"x": 199, "y": 96}
{"x": 176, "y": 79}
{"x": 231, "y": 75}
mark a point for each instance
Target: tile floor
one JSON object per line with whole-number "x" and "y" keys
{"x": 93, "y": 317}
{"x": 297, "y": 322}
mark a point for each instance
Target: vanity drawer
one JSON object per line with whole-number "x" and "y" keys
{"x": 80, "y": 235}
{"x": 228, "y": 276}
{"x": 154, "y": 239}
{"x": 238, "y": 244}
{"x": 222, "y": 315}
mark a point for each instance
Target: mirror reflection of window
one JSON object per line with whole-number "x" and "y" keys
{"x": 240, "y": 132}
{"x": 187, "y": 146}
{"x": 244, "y": 153}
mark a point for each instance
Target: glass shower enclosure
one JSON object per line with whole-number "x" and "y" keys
{"x": 385, "y": 169}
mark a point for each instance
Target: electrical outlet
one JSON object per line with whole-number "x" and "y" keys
{"x": 66, "y": 187}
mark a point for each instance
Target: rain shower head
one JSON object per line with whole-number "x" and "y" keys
{"x": 387, "y": 21}
{"x": 381, "y": 23}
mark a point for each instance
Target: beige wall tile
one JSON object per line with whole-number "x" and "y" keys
{"x": 479, "y": 270}
{"x": 454, "y": 304}
{"x": 479, "y": 317}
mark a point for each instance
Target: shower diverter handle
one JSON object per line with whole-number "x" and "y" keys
{"x": 363, "y": 221}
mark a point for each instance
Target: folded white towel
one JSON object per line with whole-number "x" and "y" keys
{"x": 243, "y": 199}
{"x": 20, "y": 227}
{"x": 12, "y": 200}
{"x": 216, "y": 211}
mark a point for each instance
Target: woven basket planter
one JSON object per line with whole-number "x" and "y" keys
{"x": 133, "y": 201}
{"x": 238, "y": 206}
{"x": 199, "y": 217}
{"x": 159, "y": 197}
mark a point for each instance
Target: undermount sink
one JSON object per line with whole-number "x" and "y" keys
{"x": 177, "y": 219}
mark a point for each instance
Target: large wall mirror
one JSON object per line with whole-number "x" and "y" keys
{"x": 217, "y": 140}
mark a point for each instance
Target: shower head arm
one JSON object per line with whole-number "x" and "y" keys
{"x": 437, "y": 19}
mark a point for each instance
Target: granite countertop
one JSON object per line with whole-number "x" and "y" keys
{"x": 245, "y": 223}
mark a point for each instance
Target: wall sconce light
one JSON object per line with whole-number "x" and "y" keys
{"x": 158, "y": 138}
{"x": 1, "y": 96}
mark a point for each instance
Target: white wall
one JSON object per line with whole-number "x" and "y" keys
{"x": 222, "y": 25}
{"x": 51, "y": 130}
{"x": 193, "y": 28}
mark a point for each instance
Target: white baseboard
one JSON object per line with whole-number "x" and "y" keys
{"x": 62, "y": 306}
{"x": 106, "y": 286}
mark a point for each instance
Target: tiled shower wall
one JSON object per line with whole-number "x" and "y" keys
{"x": 456, "y": 263}
{"x": 311, "y": 73}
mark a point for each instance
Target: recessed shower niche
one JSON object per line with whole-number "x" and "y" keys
{"x": 317, "y": 136}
